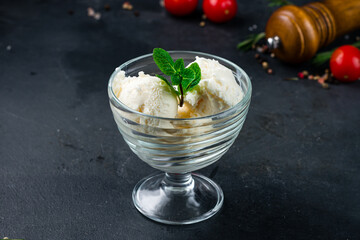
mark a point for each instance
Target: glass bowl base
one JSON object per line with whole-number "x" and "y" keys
{"x": 177, "y": 198}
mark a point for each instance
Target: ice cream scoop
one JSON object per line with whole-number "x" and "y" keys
{"x": 216, "y": 92}
{"x": 146, "y": 94}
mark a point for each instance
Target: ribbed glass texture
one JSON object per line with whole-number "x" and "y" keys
{"x": 179, "y": 145}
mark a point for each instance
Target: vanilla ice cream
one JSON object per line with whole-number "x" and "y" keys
{"x": 216, "y": 92}
{"x": 146, "y": 94}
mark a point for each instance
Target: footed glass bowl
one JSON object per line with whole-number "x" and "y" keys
{"x": 178, "y": 147}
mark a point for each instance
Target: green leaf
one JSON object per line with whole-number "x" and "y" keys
{"x": 192, "y": 85}
{"x": 195, "y": 67}
{"x": 179, "y": 65}
{"x": 357, "y": 44}
{"x": 250, "y": 41}
{"x": 258, "y": 37}
{"x": 168, "y": 83}
{"x": 245, "y": 45}
{"x": 188, "y": 77}
{"x": 164, "y": 79}
{"x": 185, "y": 78}
{"x": 175, "y": 79}
{"x": 164, "y": 61}
{"x": 321, "y": 58}
{"x": 187, "y": 73}
{"x": 278, "y": 3}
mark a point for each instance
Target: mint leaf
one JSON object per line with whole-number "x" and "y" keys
{"x": 189, "y": 77}
{"x": 179, "y": 65}
{"x": 176, "y": 79}
{"x": 195, "y": 67}
{"x": 185, "y": 78}
{"x": 164, "y": 61}
{"x": 164, "y": 79}
{"x": 169, "y": 84}
{"x": 187, "y": 74}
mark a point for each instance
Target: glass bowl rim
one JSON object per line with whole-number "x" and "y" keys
{"x": 227, "y": 112}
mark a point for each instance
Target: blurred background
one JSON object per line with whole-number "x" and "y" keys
{"x": 66, "y": 172}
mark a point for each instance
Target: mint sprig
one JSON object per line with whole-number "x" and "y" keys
{"x": 251, "y": 40}
{"x": 185, "y": 78}
{"x": 278, "y": 3}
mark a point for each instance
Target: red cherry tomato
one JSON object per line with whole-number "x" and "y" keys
{"x": 180, "y": 7}
{"x": 345, "y": 63}
{"x": 220, "y": 10}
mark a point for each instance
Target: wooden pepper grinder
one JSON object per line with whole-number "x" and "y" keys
{"x": 296, "y": 33}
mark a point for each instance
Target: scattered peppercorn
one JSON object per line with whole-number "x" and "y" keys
{"x": 71, "y": 12}
{"x": 97, "y": 16}
{"x": 325, "y": 85}
{"x": 127, "y": 6}
{"x": 265, "y": 48}
{"x": 326, "y": 76}
{"x": 262, "y": 49}
{"x": 265, "y": 65}
{"x": 305, "y": 73}
{"x": 300, "y": 75}
{"x": 136, "y": 13}
{"x": 259, "y": 49}
{"x": 321, "y": 80}
{"x": 91, "y": 13}
{"x": 202, "y": 24}
{"x": 107, "y": 7}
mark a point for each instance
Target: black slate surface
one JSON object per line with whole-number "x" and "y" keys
{"x": 66, "y": 173}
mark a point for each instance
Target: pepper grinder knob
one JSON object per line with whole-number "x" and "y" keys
{"x": 273, "y": 42}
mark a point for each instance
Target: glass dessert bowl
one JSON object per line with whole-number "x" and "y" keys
{"x": 178, "y": 147}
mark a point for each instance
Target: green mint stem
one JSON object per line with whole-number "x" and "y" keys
{"x": 185, "y": 78}
{"x": 250, "y": 41}
{"x": 182, "y": 96}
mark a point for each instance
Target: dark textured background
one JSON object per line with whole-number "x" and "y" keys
{"x": 66, "y": 173}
